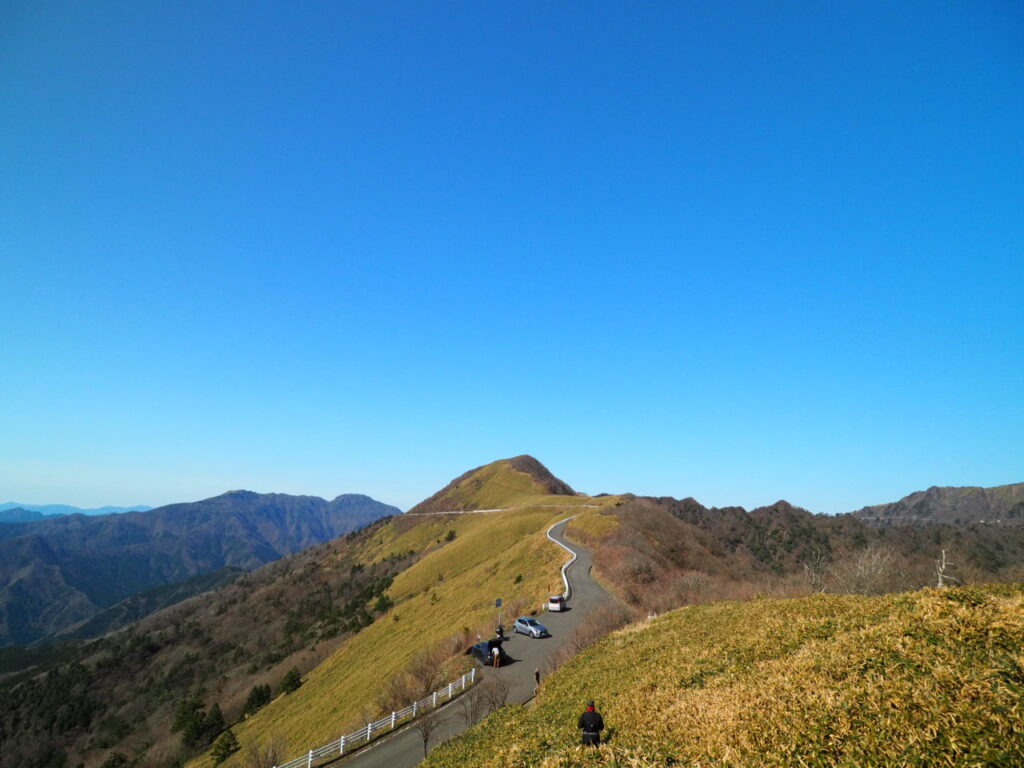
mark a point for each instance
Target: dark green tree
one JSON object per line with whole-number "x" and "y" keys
{"x": 116, "y": 760}
{"x": 291, "y": 681}
{"x": 259, "y": 697}
{"x": 188, "y": 711}
{"x": 224, "y": 746}
{"x": 213, "y": 723}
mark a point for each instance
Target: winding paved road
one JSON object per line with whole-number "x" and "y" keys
{"x": 404, "y": 748}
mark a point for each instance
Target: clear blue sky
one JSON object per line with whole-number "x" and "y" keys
{"x": 730, "y": 250}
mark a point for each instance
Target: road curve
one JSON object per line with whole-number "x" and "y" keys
{"x": 404, "y": 748}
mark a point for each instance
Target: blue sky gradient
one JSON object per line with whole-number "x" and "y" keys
{"x": 733, "y": 251}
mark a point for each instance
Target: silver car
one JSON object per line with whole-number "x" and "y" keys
{"x": 527, "y": 625}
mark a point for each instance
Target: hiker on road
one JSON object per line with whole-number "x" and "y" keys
{"x": 592, "y": 724}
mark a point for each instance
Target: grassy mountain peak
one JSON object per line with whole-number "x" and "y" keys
{"x": 503, "y": 483}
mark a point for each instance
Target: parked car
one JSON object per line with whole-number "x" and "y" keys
{"x": 484, "y": 653}
{"x": 527, "y": 625}
{"x": 556, "y": 603}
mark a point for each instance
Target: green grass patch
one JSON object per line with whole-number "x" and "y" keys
{"x": 919, "y": 679}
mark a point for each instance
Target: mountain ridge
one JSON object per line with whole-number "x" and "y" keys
{"x": 60, "y": 571}
{"x": 52, "y": 510}
{"x": 999, "y": 505}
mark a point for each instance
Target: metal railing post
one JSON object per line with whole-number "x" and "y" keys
{"x": 392, "y": 721}
{"x": 449, "y": 690}
{"x": 309, "y": 763}
{"x": 414, "y": 709}
{"x": 369, "y": 726}
{"x": 341, "y": 746}
{"x": 435, "y": 699}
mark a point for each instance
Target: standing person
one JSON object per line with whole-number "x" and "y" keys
{"x": 592, "y": 724}
{"x": 496, "y": 655}
{"x": 536, "y": 680}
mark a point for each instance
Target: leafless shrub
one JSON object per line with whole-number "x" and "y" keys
{"x": 495, "y": 691}
{"x": 473, "y": 704}
{"x": 517, "y": 607}
{"x": 598, "y": 624}
{"x": 266, "y": 755}
{"x": 869, "y": 571}
{"x": 398, "y": 693}
{"x": 426, "y": 671}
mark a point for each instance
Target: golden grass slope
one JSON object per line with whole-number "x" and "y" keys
{"x": 931, "y": 678}
{"x": 515, "y": 482}
{"x": 453, "y": 586}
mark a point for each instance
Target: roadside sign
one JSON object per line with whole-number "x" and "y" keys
{"x": 497, "y": 603}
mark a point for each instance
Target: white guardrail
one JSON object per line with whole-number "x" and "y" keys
{"x": 565, "y": 579}
{"x": 377, "y": 728}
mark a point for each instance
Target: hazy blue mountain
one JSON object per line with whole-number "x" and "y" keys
{"x": 19, "y": 515}
{"x": 51, "y": 510}
{"x": 59, "y": 571}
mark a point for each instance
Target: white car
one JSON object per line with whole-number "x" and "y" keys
{"x": 527, "y": 625}
{"x": 556, "y": 603}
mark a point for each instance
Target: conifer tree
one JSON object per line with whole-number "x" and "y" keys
{"x": 224, "y": 746}
{"x": 292, "y": 680}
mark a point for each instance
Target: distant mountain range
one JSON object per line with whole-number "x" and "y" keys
{"x": 16, "y": 512}
{"x": 58, "y": 571}
{"x": 359, "y": 601}
{"x": 1000, "y": 505}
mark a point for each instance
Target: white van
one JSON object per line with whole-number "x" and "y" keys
{"x": 556, "y": 603}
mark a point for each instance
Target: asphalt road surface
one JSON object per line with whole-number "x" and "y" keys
{"x": 404, "y": 748}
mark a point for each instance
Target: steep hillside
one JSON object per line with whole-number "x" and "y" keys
{"x": 59, "y": 571}
{"x": 468, "y": 561}
{"x": 83, "y": 700}
{"x": 349, "y": 615}
{"x": 449, "y": 591}
{"x": 926, "y": 678}
{"x": 504, "y": 483}
{"x": 1001, "y": 505}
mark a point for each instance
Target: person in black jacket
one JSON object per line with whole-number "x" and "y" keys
{"x": 592, "y": 724}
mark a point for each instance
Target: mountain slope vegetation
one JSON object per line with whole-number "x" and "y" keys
{"x": 1000, "y": 505}
{"x": 85, "y": 700}
{"x": 661, "y": 553}
{"x": 59, "y": 571}
{"x": 469, "y": 561}
{"x": 927, "y": 678}
{"x": 348, "y": 616}
{"x": 308, "y": 647}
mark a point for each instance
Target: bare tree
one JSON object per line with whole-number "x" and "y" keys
{"x": 473, "y": 704}
{"x": 267, "y": 755}
{"x": 495, "y": 690}
{"x": 425, "y": 727}
{"x": 815, "y": 569}
{"x": 942, "y": 567}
